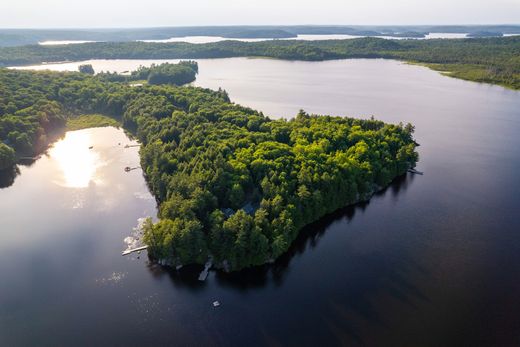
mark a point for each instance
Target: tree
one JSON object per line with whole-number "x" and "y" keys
{"x": 86, "y": 69}
{"x": 7, "y": 157}
{"x": 236, "y": 195}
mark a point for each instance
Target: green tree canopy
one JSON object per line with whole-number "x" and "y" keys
{"x": 7, "y": 157}
{"x": 87, "y": 69}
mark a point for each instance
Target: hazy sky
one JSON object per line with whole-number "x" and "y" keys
{"x": 140, "y": 13}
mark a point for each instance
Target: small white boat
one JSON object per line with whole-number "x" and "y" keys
{"x": 216, "y": 304}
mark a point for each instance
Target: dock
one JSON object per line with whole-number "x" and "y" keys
{"x": 130, "y": 251}
{"x": 204, "y": 274}
{"x": 30, "y": 158}
{"x": 128, "y": 168}
{"x": 129, "y": 146}
{"x": 415, "y": 172}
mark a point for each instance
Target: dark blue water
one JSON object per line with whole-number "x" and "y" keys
{"x": 434, "y": 260}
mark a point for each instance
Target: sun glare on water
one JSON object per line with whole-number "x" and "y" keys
{"x": 78, "y": 162}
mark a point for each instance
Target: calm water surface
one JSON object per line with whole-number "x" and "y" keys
{"x": 209, "y": 39}
{"x": 432, "y": 261}
{"x": 63, "y": 42}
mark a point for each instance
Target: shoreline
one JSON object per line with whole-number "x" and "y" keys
{"x": 224, "y": 265}
{"x": 453, "y": 70}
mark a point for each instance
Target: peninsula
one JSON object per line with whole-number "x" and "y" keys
{"x": 230, "y": 183}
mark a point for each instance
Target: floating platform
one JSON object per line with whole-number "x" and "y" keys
{"x": 130, "y": 251}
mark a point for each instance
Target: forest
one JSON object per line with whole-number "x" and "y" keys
{"x": 230, "y": 183}
{"x": 177, "y": 74}
{"x": 489, "y": 60}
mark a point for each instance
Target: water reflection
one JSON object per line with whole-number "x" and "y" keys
{"x": 276, "y": 273}
{"x": 77, "y": 160}
{"x": 346, "y": 305}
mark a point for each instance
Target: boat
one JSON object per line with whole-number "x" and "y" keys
{"x": 216, "y": 304}
{"x": 91, "y": 147}
{"x": 128, "y": 168}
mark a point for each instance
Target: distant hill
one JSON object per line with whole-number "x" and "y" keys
{"x": 485, "y": 34}
{"x": 20, "y": 37}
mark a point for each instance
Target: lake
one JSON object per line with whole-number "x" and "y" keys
{"x": 209, "y": 39}
{"x": 433, "y": 260}
{"x": 63, "y": 42}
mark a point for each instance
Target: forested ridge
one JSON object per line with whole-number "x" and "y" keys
{"x": 230, "y": 183}
{"x": 490, "y": 60}
{"x": 18, "y": 37}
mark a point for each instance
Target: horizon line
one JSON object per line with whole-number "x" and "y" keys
{"x": 254, "y": 25}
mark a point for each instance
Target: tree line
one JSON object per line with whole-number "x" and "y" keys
{"x": 490, "y": 60}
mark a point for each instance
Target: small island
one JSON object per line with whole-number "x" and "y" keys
{"x": 232, "y": 185}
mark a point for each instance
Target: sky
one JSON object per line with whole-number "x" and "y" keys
{"x": 153, "y": 13}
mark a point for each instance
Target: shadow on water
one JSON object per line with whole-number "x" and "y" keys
{"x": 351, "y": 297}
{"x": 308, "y": 238}
{"x": 28, "y": 162}
{"x": 8, "y": 176}
{"x": 187, "y": 277}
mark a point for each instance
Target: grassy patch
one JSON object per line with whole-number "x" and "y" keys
{"x": 478, "y": 73}
{"x": 137, "y": 82}
{"x": 91, "y": 121}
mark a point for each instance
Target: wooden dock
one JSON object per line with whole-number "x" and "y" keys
{"x": 128, "y": 168}
{"x": 130, "y": 251}
{"x": 415, "y": 172}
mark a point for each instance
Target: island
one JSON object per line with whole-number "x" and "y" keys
{"x": 231, "y": 184}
